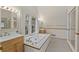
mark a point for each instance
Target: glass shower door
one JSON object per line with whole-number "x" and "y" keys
{"x": 72, "y": 27}
{"x": 71, "y": 31}
{"x": 77, "y": 30}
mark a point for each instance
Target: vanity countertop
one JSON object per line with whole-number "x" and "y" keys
{"x": 9, "y": 37}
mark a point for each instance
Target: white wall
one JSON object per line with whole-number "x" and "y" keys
{"x": 53, "y": 17}
{"x": 55, "y": 20}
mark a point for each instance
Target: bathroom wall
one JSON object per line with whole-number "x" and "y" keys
{"x": 55, "y": 20}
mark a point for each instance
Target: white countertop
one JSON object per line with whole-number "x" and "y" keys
{"x": 9, "y": 37}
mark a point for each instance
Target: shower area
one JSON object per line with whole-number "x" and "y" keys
{"x": 73, "y": 28}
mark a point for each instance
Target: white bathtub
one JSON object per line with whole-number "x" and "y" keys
{"x": 37, "y": 42}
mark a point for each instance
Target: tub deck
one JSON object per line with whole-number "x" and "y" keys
{"x": 37, "y": 41}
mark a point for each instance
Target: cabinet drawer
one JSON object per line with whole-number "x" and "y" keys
{"x": 20, "y": 47}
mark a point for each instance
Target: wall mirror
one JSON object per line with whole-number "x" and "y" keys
{"x": 9, "y": 20}
{"x": 6, "y": 19}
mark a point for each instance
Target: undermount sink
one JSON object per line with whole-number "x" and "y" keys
{"x": 3, "y": 35}
{"x": 7, "y": 35}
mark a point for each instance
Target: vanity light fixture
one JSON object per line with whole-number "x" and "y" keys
{"x": 12, "y": 10}
{"x": 5, "y": 7}
{"x": 2, "y": 6}
{"x": 9, "y": 8}
{"x": 16, "y": 11}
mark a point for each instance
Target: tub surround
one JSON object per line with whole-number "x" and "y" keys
{"x": 38, "y": 42}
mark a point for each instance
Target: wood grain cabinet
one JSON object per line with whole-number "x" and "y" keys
{"x": 13, "y": 45}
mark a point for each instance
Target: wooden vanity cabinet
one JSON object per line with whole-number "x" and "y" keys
{"x": 13, "y": 45}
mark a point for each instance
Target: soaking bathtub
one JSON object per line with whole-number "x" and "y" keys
{"x": 36, "y": 42}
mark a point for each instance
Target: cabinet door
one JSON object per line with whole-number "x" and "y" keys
{"x": 20, "y": 44}
{"x": 10, "y": 48}
{"x": 14, "y": 45}
{"x": 19, "y": 47}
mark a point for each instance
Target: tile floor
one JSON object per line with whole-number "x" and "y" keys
{"x": 58, "y": 45}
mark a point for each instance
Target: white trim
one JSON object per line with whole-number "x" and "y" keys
{"x": 71, "y": 46}
{"x": 74, "y": 49}
{"x": 76, "y": 23}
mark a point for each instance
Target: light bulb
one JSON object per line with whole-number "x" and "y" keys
{"x": 12, "y": 10}
{"x": 5, "y": 7}
{"x": 2, "y": 6}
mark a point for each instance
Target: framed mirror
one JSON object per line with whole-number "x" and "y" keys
{"x": 8, "y": 20}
